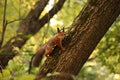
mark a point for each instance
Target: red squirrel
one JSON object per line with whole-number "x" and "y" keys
{"x": 47, "y": 48}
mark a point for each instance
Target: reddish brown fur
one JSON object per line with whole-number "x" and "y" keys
{"x": 48, "y": 47}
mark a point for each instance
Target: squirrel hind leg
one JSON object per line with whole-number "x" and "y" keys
{"x": 48, "y": 51}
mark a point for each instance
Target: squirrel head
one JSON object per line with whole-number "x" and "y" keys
{"x": 61, "y": 33}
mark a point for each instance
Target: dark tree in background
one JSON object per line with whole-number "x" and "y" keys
{"x": 81, "y": 39}
{"x": 31, "y": 24}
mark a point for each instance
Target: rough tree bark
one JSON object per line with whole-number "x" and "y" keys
{"x": 85, "y": 33}
{"x": 30, "y": 25}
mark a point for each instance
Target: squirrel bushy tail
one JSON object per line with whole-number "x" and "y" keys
{"x": 36, "y": 59}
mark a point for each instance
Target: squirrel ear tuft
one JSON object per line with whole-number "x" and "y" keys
{"x": 58, "y": 30}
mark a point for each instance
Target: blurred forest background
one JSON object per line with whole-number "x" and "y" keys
{"x": 103, "y": 64}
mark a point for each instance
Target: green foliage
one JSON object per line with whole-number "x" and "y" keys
{"x": 15, "y": 11}
{"x": 28, "y": 36}
{"x": 95, "y": 71}
{"x": 109, "y": 48}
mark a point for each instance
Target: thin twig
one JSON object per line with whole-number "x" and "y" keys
{"x": 19, "y": 9}
{"x": 14, "y": 21}
{"x": 4, "y": 24}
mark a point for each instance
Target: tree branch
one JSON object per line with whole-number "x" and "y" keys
{"x": 52, "y": 12}
{"x": 37, "y": 10}
{"x": 4, "y": 24}
{"x": 14, "y": 21}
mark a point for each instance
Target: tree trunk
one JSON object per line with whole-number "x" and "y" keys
{"x": 30, "y": 25}
{"x": 85, "y": 33}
